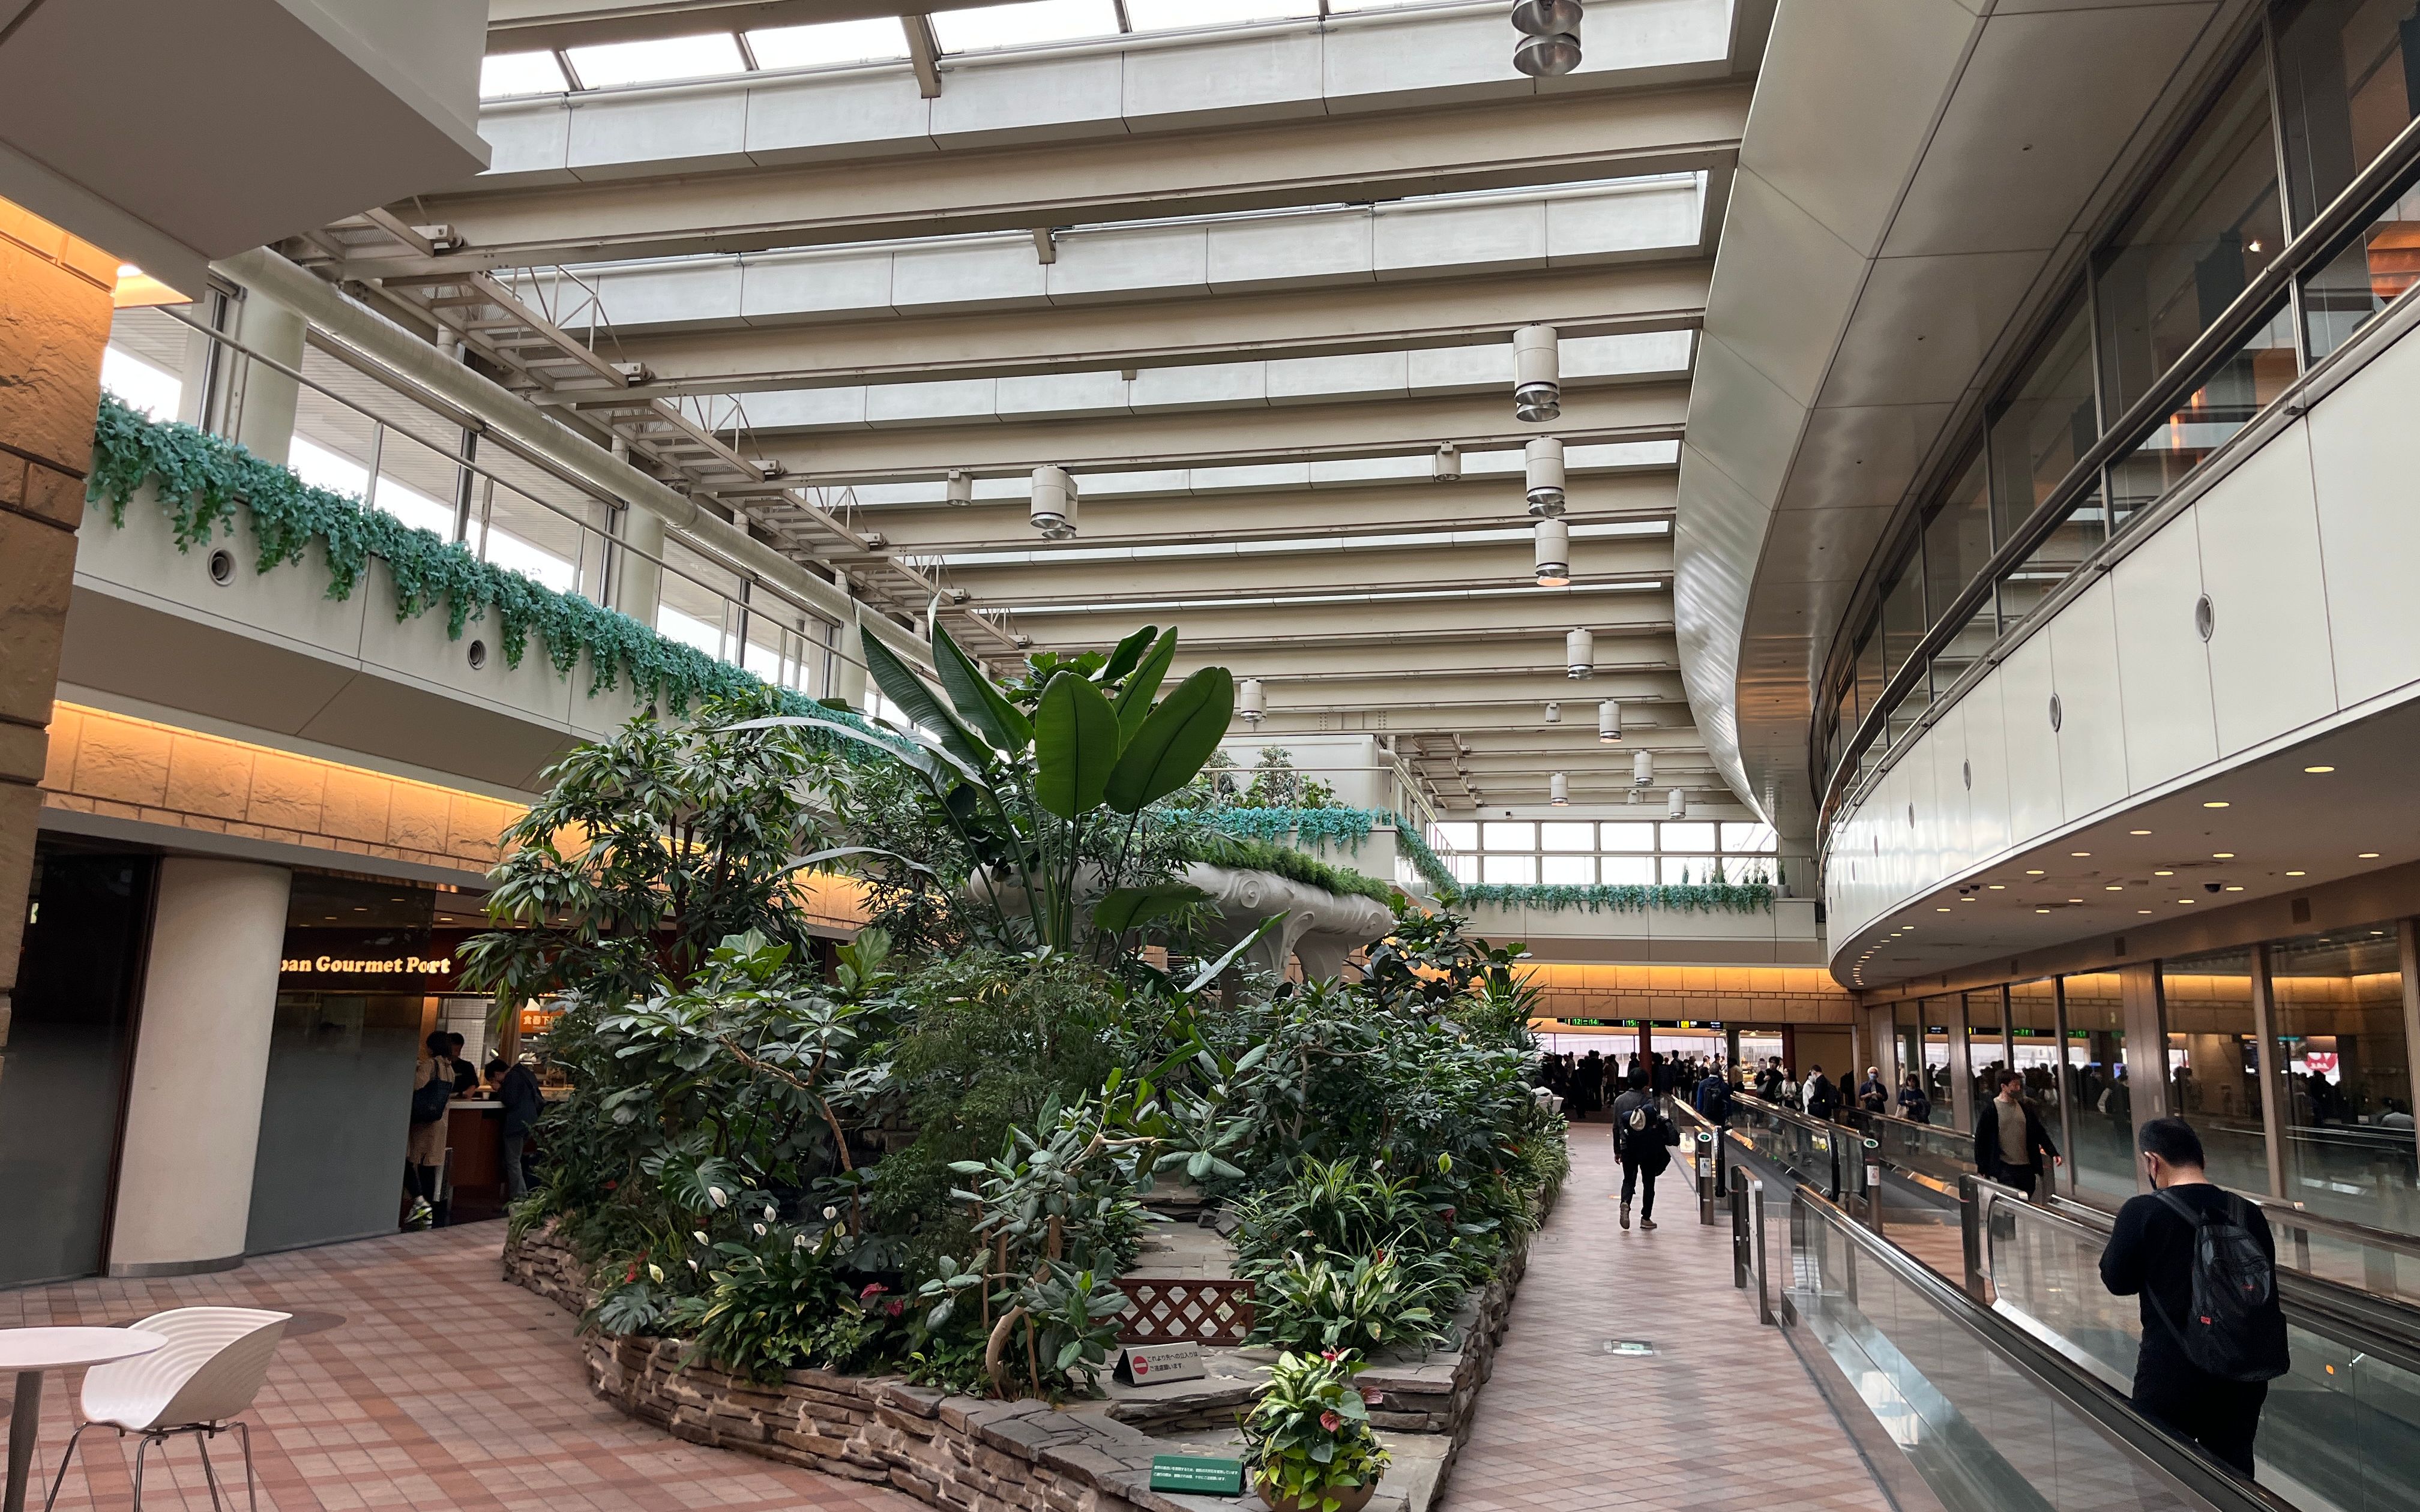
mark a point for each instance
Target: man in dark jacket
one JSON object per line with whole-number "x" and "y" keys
{"x": 1820, "y": 1098}
{"x": 1713, "y": 1098}
{"x": 2010, "y": 1144}
{"x": 2150, "y": 1255}
{"x": 516, "y": 1089}
{"x": 1645, "y": 1149}
{"x": 1873, "y": 1093}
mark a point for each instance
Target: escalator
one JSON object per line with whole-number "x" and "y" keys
{"x": 1988, "y": 1352}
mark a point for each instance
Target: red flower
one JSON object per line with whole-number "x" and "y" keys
{"x": 872, "y": 1289}
{"x": 1330, "y": 1421}
{"x": 632, "y": 1274}
{"x": 895, "y": 1307}
{"x": 1328, "y": 1354}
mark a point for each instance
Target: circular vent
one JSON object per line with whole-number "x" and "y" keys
{"x": 1966, "y": 770}
{"x": 222, "y": 567}
{"x": 2057, "y": 714}
{"x": 478, "y": 654}
{"x": 2205, "y": 618}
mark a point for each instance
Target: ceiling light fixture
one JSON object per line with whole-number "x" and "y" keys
{"x": 1252, "y": 701}
{"x": 1554, "y": 713}
{"x": 1676, "y": 805}
{"x": 2298, "y": 874}
{"x": 2317, "y": 770}
{"x": 1642, "y": 768}
{"x": 1580, "y": 654}
{"x": 2138, "y": 832}
{"x": 2221, "y": 855}
{"x": 1554, "y": 557}
{"x": 2216, "y": 803}
{"x": 1541, "y": 466}
{"x": 2367, "y": 855}
{"x": 1550, "y": 42}
{"x": 1052, "y": 510}
{"x": 1608, "y": 723}
{"x": 1537, "y": 375}
{"x": 1559, "y": 789}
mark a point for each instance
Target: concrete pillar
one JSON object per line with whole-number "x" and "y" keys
{"x": 55, "y": 311}
{"x": 201, "y": 1060}
{"x": 637, "y": 582}
{"x": 1962, "y": 1061}
{"x": 264, "y": 412}
{"x": 2146, "y": 1048}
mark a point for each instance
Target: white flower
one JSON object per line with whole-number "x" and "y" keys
{"x": 760, "y": 1228}
{"x": 721, "y": 1198}
{"x": 830, "y": 1214}
{"x": 692, "y": 1265}
{"x": 772, "y": 1212}
{"x": 798, "y": 1242}
{"x": 699, "y": 1234}
{"x": 655, "y": 1274}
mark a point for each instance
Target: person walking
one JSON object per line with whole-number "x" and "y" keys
{"x": 424, "y": 1149}
{"x": 1818, "y": 1097}
{"x": 1913, "y": 1105}
{"x": 516, "y": 1089}
{"x": 1643, "y": 1138}
{"x": 2204, "y": 1265}
{"x": 2010, "y": 1144}
{"x": 1713, "y": 1098}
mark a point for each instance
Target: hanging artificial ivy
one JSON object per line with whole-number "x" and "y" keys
{"x": 204, "y": 479}
{"x": 1686, "y": 898}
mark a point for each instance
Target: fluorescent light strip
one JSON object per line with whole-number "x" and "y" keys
{"x": 1408, "y": 596}
{"x": 1255, "y": 548}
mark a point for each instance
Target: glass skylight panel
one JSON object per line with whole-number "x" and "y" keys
{"x": 1627, "y": 871}
{"x": 152, "y": 390}
{"x": 1461, "y": 834}
{"x": 830, "y": 43}
{"x": 1172, "y": 15}
{"x": 502, "y": 75}
{"x": 1567, "y": 871}
{"x": 1517, "y": 835}
{"x": 1032, "y": 24}
{"x": 656, "y": 61}
{"x": 1519, "y": 870}
{"x": 1560, "y": 836}
{"x": 1629, "y": 836}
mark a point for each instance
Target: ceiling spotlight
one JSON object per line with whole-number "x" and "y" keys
{"x": 1554, "y": 557}
{"x": 1580, "y": 654}
{"x": 1676, "y": 803}
{"x": 1550, "y": 42}
{"x": 2367, "y": 855}
{"x": 2221, "y": 855}
{"x": 1053, "y": 509}
{"x": 2298, "y": 874}
{"x": 2315, "y": 770}
{"x": 1559, "y": 788}
{"x": 1608, "y": 723}
{"x": 1541, "y": 466}
{"x": 2138, "y": 832}
{"x": 1447, "y": 465}
{"x": 1642, "y": 769}
{"x": 959, "y": 488}
{"x": 1554, "y": 713}
{"x": 2215, "y": 803}
{"x": 1537, "y": 367}
{"x": 1252, "y": 701}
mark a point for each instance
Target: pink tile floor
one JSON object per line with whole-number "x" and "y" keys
{"x": 443, "y": 1387}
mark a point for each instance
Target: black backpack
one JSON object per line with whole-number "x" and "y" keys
{"x": 2234, "y": 1329}
{"x": 428, "y": 1102}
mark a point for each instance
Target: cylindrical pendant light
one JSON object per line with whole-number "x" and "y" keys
{"x": 1537, "y": 375}
{"x": 1053, "y": 509}
{"x": 1251, "y": 702}
{"x": 1554, "y": 713}
{"x": 1580, "y": 654}
{"x": 1676, "y": 803}
{"x": 1642, "y": 768}
{"x": 1550, "y": 43}
{"x": 959, "y": 487}
{"x": 1543, "y": 466}
{"x": 1558, "y": 791}
{"x": 1554, "y": 554}
{"x": 1609, "y": 722}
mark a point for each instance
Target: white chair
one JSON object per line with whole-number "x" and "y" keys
{"x": 209, "y": 1370}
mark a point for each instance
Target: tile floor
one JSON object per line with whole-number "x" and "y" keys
{"x": 442, "y": 1387}
{"x": 1721, "y": 1418}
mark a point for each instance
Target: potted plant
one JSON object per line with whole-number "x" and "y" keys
{"x": 1312, "y": 1448}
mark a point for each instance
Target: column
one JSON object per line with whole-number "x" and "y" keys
{"x": 2273, "y": 1101}
{"x": 2147, "y": 1048}
{"x": 1962, "y": 1063}
{"x": 54, "y": 312}
{"x": 637, "y": 582}
{"x": 201, "y": 1060}
{"x": 263, "y": 415}
{"x": 2066, "y": 1075}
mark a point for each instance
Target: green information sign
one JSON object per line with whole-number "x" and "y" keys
{"x": 1197, "y": 1473}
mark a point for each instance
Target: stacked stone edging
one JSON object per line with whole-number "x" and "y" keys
{"x": 966, "y": 1454}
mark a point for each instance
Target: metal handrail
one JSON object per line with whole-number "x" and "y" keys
{"x": 2081, "y": 1390}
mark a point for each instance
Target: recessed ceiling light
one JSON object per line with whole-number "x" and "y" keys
{"x": 2041, "y": 910}
{"x": 2215, "y": 803}
{"x": 2185, "y": 899}
{"x": 2138, "y": 832}
{"x": 2114, "y": 886}
{"x": 2221, "y": 855}
{"x": 2079, "y": 854}
{"x": 2367, "y": 855}
{"x": 2034, "y": 871}
{"x": 1999, "y": 887}
{"x": 2075, "y": 899}
{"x": 2298, "y": 874}
{"x": 2234, "y": 890}
{"x": 1941, "y": 910}
{"x": 2316, "y": 770}
{"x": 2163, "y": 874}
{"x": 2142, "y": 910}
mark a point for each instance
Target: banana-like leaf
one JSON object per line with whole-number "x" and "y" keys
{"x": 913, "y": 695}
{"x": 1173, "y": 740}
{"x": 1134, "y": 700}
{"x": 1210, "y": 973}
{"x": 1124, "y": 908}
{"x": 800, "y": 863}
{"x": 1074, "y": 745}
{"x": 1128, "y": 651}
{"x": 1001, "y": 722}
{"x": 923, "y": 755}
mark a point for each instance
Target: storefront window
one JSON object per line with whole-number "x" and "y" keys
{"x": 2346, "y": 1076}
{"x": 2348, "y": 87}
{"x": 2048, "y": 421}
{"x": 2243, "y": 384}
{"x": 2103, "y": 1156}
{"x": 2213, "y": 1073}
{"x": 2209, "y": 225}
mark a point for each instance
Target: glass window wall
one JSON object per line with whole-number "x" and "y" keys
{"x": 2347, "y": 84}
{"x": 2104, "y": 1157}
{"x": 2033, "y": 1034}
{"x": 2245, "y": 382}
{"x": 2337, "y": 1011}
{"x": 2371, "y": 272}
{"x": 1957, "y": 539}
{"x": 2082, "y": 530}
{"x": 2213, "y": 1066}
{"x": 2047, "y": 423}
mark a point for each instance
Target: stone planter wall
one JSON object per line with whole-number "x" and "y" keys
{"x": 963, "y": 1454}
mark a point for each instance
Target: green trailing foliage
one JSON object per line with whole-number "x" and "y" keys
{"x": 1752, "y": 897}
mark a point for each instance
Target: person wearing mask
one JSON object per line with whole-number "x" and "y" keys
{"x": 1913, "y": 1105}
{"x": 1873, "y": 1093}
{"x": 424, "y": 1151}
{"x": 517, "y": 1088}
{"x": 2010, "y": 1144}
{"x": 2199, "y": 1258}
{"x": 1643, "y": 1138}
{"x": 1818, "y": 1096}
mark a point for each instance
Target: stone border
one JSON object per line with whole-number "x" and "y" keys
{"x": 966, "y": 1454}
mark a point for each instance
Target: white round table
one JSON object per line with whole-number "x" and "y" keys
{"x": 29, "y": 1352}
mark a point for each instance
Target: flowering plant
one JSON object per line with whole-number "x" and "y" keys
{"x": 1310, "y": 1433}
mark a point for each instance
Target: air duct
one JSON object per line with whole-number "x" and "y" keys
{"x": 1554, "y": 554}
{"x": 1580, "y": 654}
{"x": 1537, "y": 375}
{"x": 1542, "y": 465}
{"x": 1609, "y": 722}
{"x": 1053, "y": 508}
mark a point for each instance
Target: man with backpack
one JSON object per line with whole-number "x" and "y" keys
{"x": 1643, "y": 1138}
{"x": 1713, "y": 1097}
{"x": 2205, "y": 1266}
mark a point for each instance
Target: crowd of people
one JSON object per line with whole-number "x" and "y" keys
{"x": 442, "y": 1075}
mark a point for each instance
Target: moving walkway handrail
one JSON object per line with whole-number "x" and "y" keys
{"x": 2073, "y": 1383}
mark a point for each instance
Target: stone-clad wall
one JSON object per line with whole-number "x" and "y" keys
{"x": 963, "y": 1454}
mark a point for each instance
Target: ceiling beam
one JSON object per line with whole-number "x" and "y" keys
{"x": 535, "y": 25}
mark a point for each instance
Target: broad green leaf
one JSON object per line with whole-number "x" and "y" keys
{"x": 1074, "y": 745}
{"x": 1128, "y": 651}
{"x": 916, "y": 698}
{"x": 1173, "y": 741}
{"x": 1134, "y": 700}
{"x": 818, "y": 858}
{"x": 1210, "y": 973}
{"x": 1001, "y": 722}
{"x": 1123, "y": 908}
{"x": 923, "y": 755}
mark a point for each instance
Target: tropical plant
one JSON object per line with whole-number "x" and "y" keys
{"x": 1380, "y": 1300}
{"x": 1045, "y": 781}
{"x": 1310, "y": 1433}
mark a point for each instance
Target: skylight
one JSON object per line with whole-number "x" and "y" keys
{"x": 154, "y": 391}
{"x": 656, "y": 61}
{"x": 827, "y": 44}
{"x": 502, "y": 75}
{"x": 1032, "y": 24}
{"x": 1169, "y": 15}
